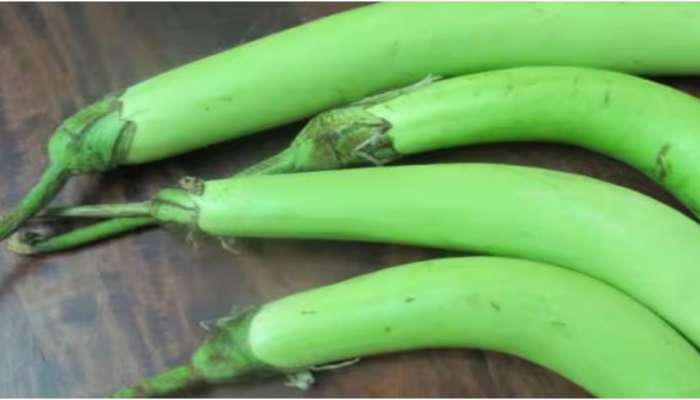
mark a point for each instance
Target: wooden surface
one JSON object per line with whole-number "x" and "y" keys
{"x": 87, "y": 322}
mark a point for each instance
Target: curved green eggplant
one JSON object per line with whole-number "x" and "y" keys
{"x": 342, "y": 58}
{"x": 559, "y": 319}
{"x": 649, "y": 126}
{"x": 624, "y": 238}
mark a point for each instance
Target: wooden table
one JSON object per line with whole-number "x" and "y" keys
{"x": 84, "y": 323}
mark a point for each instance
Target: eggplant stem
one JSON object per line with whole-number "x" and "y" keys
{"x": 163, "y": 384}
{"x": 127, "y": 210}
{"x": 278, "y": 164}
{"x": 30, "y": 243}
{"x": 48, "y": 186}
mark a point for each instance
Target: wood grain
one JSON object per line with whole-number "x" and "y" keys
{"x": 87, "y": 322}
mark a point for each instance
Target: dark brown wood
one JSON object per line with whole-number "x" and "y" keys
{"x": 84, "y": 323}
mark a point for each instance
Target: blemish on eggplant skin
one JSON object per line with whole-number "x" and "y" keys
{"x": 495, "y": 305}
{"x": 395, "y": 47}
{"x": 387, "y": 329}
{"x": 606, "y": 98}
{"x": 308, "y": 312}
{"x": 558, "y": 324}
{"x": 409, "y": 300}
{"x": 663, "y": 166}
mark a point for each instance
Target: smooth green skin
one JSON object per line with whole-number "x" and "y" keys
{"x": 556, "y": 318}
{"x": 624, "y": 238}
{"x": 629, "y": 240}
{"x": 650, "y": 126}
{"x": 345, "y": 57}
{"x": 341, "y": 58}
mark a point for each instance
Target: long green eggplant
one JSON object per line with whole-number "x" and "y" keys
{"x": 345, "y": 57}
{"x": 651, "y": 127}
{"x": 577, "y": 326}
{"x": 627, "y": 239}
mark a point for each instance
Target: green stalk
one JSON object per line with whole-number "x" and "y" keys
{"x": 277, "y": 164}
{"x": 171, "y": 205}
{"x": 163, "y": 384}
{"x": 94, "y": 139}
{"x": 31, "y": 243}
{"x": 97, "y": 211}
{"x": 51, "y": 181}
